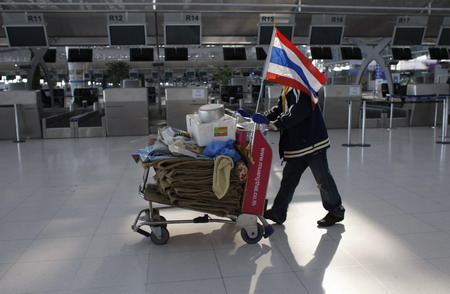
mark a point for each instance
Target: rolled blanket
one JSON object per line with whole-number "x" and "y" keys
{"x": 221, "y": 177}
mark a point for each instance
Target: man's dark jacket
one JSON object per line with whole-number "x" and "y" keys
{"x": 303, "y": 129}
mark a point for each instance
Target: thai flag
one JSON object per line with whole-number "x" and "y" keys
{"x": 286, "y": 65}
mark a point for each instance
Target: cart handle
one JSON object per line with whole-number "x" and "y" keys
{"x": 242, "y": 112}
{"x": 260, "y": 119}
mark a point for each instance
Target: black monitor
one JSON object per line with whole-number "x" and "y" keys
{"x": 261, "y": 53}
{"x": 325, "y": 35}
{"x": 90, "y": 95}
{"x": 438, "y": 53}
{"x": 265, "y": 33}
{"x": 176, "y": 54}
{"x": 234, "y": 53}
{"x": 183, "y": 34}
{"x": 79, "y": 55}
{"x": 122, "y": 35}
{"x": 321, "y": 53}
{"x": 444, "y": 37}
{"x": 400, "y": 53}
{"x": 408, "y": 36}
{"x": 27, "y": 36}
{"x": 351, "y": 53}
{"x": 141, "y": 54}
{"x": 227, "y": 92}
{"x": 50, "y": 56}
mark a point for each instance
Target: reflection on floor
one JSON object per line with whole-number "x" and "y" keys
{"x": 66, "y": 207}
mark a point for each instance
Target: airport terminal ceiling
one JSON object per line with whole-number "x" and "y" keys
{"x": 223, "y": 21}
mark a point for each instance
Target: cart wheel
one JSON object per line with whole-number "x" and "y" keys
{"x": 164, "y": 237}
{"x": 255, "y": 238}
{"x": 160, "y": 218}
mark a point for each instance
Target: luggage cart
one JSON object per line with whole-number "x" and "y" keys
{"x": 253, "y": 201}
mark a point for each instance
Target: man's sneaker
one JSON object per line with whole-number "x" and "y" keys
{"x": 329, "y": 220}
{"x": 268, "y": 214}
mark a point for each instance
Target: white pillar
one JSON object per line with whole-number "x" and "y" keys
{"x": 76, "y": 75}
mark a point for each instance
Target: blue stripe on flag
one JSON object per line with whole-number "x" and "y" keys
{"x": 280, "y": 57}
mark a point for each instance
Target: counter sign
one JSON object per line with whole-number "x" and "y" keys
{"x": 34, "y": 18}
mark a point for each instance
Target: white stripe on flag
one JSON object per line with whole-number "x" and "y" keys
{"x": 285, "y": 72}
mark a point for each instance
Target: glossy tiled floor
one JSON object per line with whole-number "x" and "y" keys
{"x": 66, "y": 207}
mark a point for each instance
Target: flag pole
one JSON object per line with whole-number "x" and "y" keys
{"x": 266, "y": 65}
{"x": 260, "y": 94}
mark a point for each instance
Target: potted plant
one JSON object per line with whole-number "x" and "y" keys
{"x": 117, "y": 72}
{"x": 223, "y": 73}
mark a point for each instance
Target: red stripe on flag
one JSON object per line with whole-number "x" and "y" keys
{"x": 286, "y": 81}
{"x": 306, "y": 62}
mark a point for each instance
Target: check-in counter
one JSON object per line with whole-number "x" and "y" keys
{"x": 334, "y": 100}
{"x": 58, "y": 126}
{"x": 89, "y": 124}
{"x": 422, "y": 111}
{"x": 29, "y": 111}
{"x": 126, "y": 111}
{"x": 181, "y": 101}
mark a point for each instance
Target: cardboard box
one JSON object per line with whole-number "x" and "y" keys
{"x": 218, "y": 130}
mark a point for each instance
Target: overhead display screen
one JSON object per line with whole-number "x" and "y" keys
{"x": 444, "y": 37}
{"x": 182, "y": 34}
{"x": 26, "y": 36}
{"x": 141, "y": 54}
{"x": 326, "y": 35}
{"x": 265, "y": 33}
{"x": 122, "y": 35}
{"x": 351, "y": 53}
{"x": 50, "y": 56}
{"x": 321, "y": 53}
{"x": 401, "y": 53}
{"x": 234, "y": 53}
{"x": 79, "y": 55}
{"x": 408, "y": 36}
{"x": 438, "y": 53}
{"x": 260, "y": 53}
{"x": 176, "y": 54}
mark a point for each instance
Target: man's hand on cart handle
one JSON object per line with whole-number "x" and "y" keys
{"x": 272, "y": 126}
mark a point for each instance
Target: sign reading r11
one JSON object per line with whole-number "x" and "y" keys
{"x": 34, "y": 18}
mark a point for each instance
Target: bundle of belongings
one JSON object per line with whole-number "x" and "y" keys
{"x": 209, "y": 179}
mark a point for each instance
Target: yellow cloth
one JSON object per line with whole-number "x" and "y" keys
{"x": 221, "y": 176}
{"x": 283, "y": 98}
